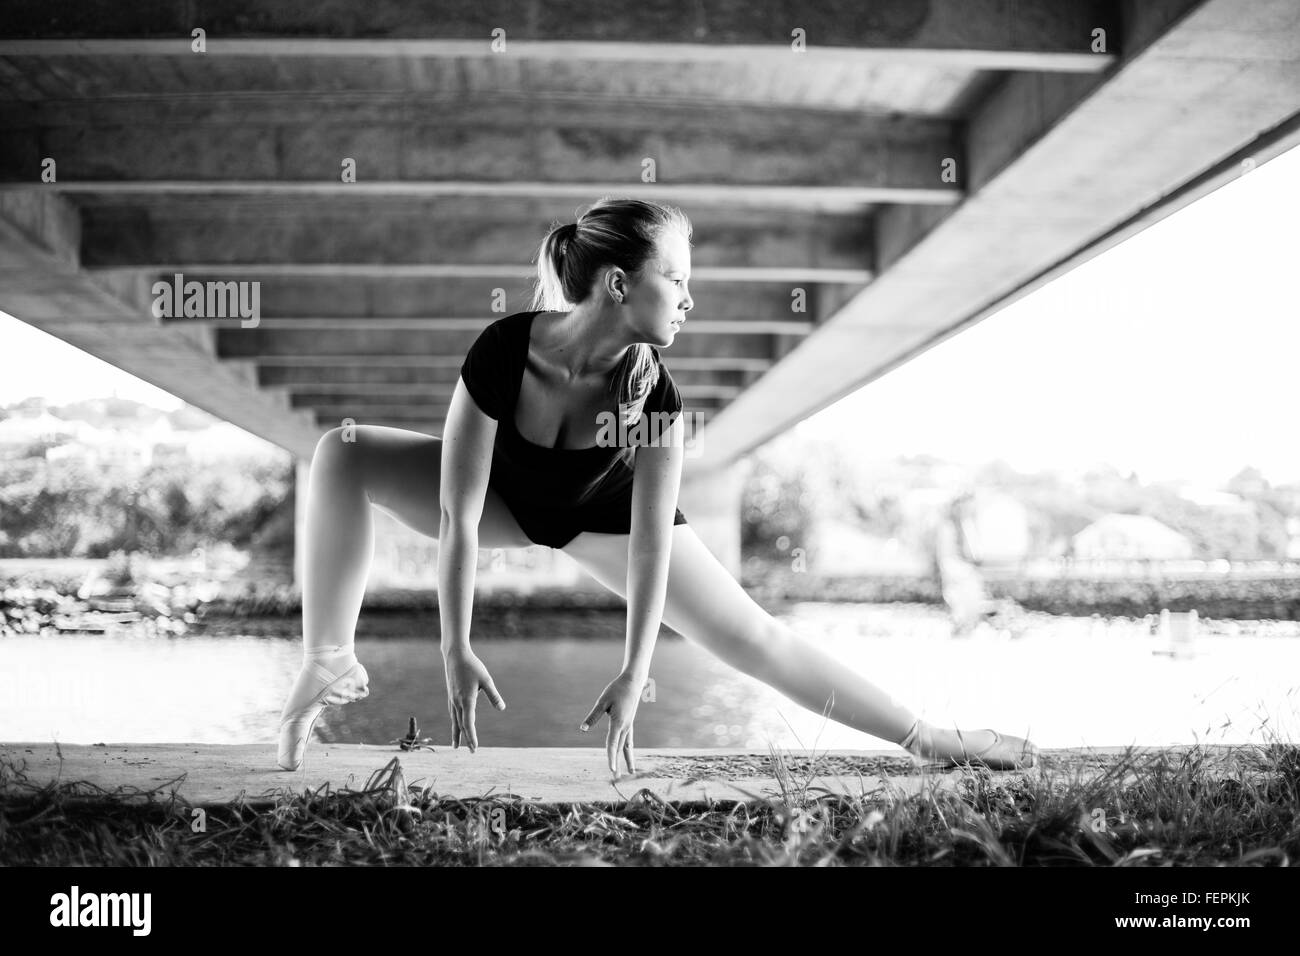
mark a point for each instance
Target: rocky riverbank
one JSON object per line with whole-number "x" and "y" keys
{"x": 174, "y": 602}
{"x": 1225, "y": 598}
{"x": 148, "y": 608}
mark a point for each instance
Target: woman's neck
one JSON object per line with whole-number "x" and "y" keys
{"x": 587, "y": 341}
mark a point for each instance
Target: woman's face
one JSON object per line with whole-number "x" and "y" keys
{"x": 657, "y": 300}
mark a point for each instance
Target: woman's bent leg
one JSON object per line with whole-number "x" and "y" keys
{"x": 338, "y": 542}
{"x": 396, "y": 469}
{"x": 353, "y": 468}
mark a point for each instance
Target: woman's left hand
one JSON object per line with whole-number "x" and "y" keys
{"x": 619, "y": 699}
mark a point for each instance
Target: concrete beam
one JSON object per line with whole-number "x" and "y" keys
{"x": 427, "y": 425}
{"x": 422, "y": 396}
{"x": 450, "y": 347}
{"x": 981, "y": 34}
{"x": 435, "y": 236}
{"x": 364, "y": 378}
{"x": 423, "y": 423}
{"x": 395, "y": 324}
{"x": 860, "y": 85}
{"x": 396, "y": 360}
{"x": 429, "y": 406}
{"x": 348, "y": 408}
{"x": 566, "y": 143}
{"x": 805, "y": 198}
{"x": 476, "y": 300}
{"x": 805, "y": 275}
{"x": 708, "y": 301}
{"x": 39, "y": 271}
{"x": 1056, "y": 165}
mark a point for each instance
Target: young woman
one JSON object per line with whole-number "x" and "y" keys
{"x": 528, "y": 456}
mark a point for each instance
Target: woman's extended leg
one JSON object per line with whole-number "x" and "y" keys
{"x": 353, "y": 468}
{"x": 707, "y": 605}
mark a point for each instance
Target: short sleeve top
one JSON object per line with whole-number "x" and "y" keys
{"x": 484, "y": 371}
{"x": 493, "y": 371}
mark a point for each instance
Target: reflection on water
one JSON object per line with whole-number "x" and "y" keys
{"x": 1067, "y": 682}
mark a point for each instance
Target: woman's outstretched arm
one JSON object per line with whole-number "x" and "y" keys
{"x": 656, "y": 479}
{"x": 464, "y": 470}
{"x": 655, "y": 485}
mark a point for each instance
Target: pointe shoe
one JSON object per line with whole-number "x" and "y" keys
{"x": 296, "y": 727}
{"x": 1005, "y": 753}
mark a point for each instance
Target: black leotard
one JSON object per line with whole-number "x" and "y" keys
{"x": 553, "y": 493}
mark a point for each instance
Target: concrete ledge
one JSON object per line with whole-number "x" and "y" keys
{"x": 211, "y": 774}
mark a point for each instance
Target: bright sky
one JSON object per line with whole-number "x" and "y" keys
{"x": 1174, "y": 354}
{"x": 38, "y": 364}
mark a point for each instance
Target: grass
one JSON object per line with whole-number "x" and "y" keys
{"x": 1230, "y": 806}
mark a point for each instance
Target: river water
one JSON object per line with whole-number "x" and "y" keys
{"x": 1063, "y": 681}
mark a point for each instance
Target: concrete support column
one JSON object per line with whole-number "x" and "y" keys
{"x": 301, "y": 471}
{"x": 711, "y": 503}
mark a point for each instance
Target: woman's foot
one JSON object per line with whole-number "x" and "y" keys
{"x": 329, "y": 676}
{"x": 954, "y": 748}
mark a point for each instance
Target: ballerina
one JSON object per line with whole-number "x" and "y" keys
{"x": 521, "y": 463}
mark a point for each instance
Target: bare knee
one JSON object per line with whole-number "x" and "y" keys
{"x": 339, "y": 451}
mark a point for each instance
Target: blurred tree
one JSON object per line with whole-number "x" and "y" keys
{"x": 776, "y": 506}
{"x": 64, "y": 509}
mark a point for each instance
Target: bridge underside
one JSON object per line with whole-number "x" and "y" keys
{"x": 915, "y": 166}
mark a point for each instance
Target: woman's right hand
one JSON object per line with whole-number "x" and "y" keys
{"x": 466, "y": 675}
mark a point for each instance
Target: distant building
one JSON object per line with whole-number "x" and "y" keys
{"x": 1220, "y": 501}
{"x": 1130, "y": 537}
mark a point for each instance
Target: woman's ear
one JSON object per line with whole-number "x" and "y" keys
{"x": 616, "y": 284}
